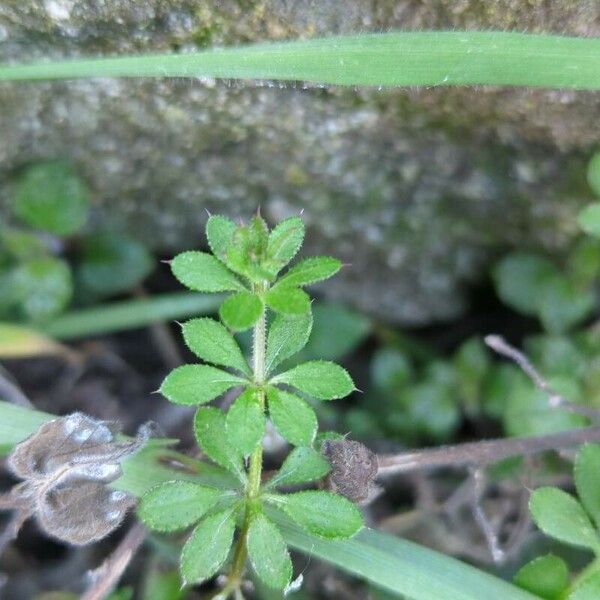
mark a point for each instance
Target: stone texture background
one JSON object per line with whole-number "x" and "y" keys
{"x": 418, "y": 189}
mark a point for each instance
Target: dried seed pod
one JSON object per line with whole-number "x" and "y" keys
{"x": 66, "y": 465}
{"x": 353, "y": 468}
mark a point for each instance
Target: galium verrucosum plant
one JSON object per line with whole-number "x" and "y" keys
{"x": 231, "y": 526}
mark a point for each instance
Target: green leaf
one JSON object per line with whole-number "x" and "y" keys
{"x": 112, "y": 263}
{"x": 287, "y": 335}
{"x": 560, "y": 516}
{"x": 52, "y": 197}
{"x": 318, "y": 378}
{"x": 207, "y": 547}
{"x": 521, "y": 280}
{"x": 288, "y": 300}
{"x": 589, "y": 219}
{"x": 322, "y": 514}
{"x": 43, "y": 287}
{"x": 587, "y": 479}
{"x": 175, "y": 505}
{"x": 268, "y": 553}
{"x": 406, "y": 58}
{"x": 204, "y": 273}
{"x": 285, "y": 240}
{"x": 301, "y": 466}
{"x": 593, "y": 173}
{"x": 197, "y": 384}
{"x": 245, "y": 422}
{"x": 241, "y": 310}
{"x": 563, "y": 306}
{"x": 588, "y": 589}
{"x": 220, "y": 232}
{"x": 247, "y": 249}
{"x": 20, "y": 244}
{"x": 311, "y": 270}
{"x": 545, "y": 576}
{"x": 292, "y": 416}
{"x": 210, "y": 429}
{"x": 209, "y": 340}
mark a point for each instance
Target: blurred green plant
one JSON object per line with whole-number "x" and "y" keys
{"x": 37, "y": 282}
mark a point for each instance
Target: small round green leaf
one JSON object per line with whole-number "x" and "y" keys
{"x": 292, "y": 416}
{"x": 521, "y": 280}
{"x": 589, "y": 219}
{"x": 268, "y": 553}
{"x": 318, "y": 378}
{"x": 209, "y": 340}
{"x": 288, "y": 334}
{"x": 587, "y": 479}
{"x": 241, "y": 311}
{"x": 175, "y": 505}
{"x": 43, "y": 287}
{"x": 197, "y": 384}
{"x": 563, "y": 306}
{"x": 301, "y": 466}
{"x": 545, "y": 576}
{"x": 245, "y": 422}
{"x": 288, "y": 300}
{"x": 560, "y": 516}
{"x": 204, "y": 273}
{"x": 112, "y": 263}
{"x": 323, "y": 514}
{"x": 311, "y": 270}
{"x": 52, "y": 197}
{"x": 593, "y": 173}
{"x": 219, "y": 232}
{"x": 210, "y": 429}
{"x": 207, "y": 547}
{"x": 285, "y": 240}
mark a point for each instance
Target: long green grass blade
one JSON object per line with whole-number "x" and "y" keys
{"x": 130, "y": 314}
{"x": 391, "y": 563}
{"x": 387, "y": 59}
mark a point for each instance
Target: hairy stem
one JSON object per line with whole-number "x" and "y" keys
{"x": 255, "y": 467}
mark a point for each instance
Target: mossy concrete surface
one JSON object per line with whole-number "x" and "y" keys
{"x": 417, "y": 189}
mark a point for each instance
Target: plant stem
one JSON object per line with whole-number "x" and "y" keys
{"x": 255, "y": 467}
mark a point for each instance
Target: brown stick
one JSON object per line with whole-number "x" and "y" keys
{"x": 107, "y": 575}
{"x": 483, "y": 453}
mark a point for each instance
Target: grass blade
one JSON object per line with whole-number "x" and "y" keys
{"x": 389, "y": 59}
{"x": 130, "y": 314}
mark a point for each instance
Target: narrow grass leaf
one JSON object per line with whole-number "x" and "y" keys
{"x": 207, "y": 547}
{"x": 175, "y": 505}
{"x": 202, "y": 272}
{"x": 210, "y": 429}
{"x": 209, "y": 340}
{"x": 322, "y": 514}
{"x": 301, "y": 466}
{"x": 197, "y": 384}
{"x": 562, "y": 517}
{"x": 320, "y": 379}
{"x": 311, "y": 270}
{"x": 587, "y": 479}
{"x": 588, "y": 589}
{"x": 429, "y": 58}
{"x": 241, "y": 310}
{"x": 245, "y": 422}
{"x": 268, "y": 553}
{"x": 292, "y": 416}
{"x": 546, "y": 576}
{"x": 287, "y": 335}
